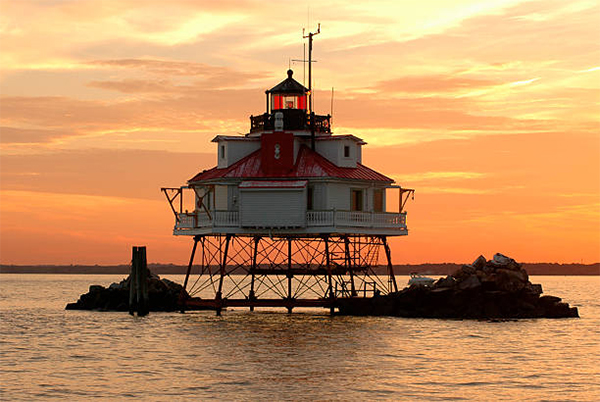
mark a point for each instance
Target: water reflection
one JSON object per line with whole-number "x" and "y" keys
{"x": 49, "y": 352}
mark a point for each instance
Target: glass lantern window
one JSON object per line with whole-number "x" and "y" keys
{"x": 289, "y": 102}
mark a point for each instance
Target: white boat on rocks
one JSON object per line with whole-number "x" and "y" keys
{"x": 420, "y": 280}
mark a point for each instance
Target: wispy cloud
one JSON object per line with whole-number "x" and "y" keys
{"x": 523, "y": 82}
{"x": 427, "y": 176}
{"x": 178, "y": 68}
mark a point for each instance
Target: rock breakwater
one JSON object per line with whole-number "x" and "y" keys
{"x": 163, "y": 295}
{"x": 494, "y": 289}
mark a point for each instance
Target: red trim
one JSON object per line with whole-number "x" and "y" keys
{"x": 277, "y": 102}
{"x": 302, "y": 102}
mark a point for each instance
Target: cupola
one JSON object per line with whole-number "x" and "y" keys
{"x": 288, "y": 94}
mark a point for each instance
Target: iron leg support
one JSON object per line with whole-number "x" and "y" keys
{"x": 187, "y": 274}
{"x": 289, "y": 276}
{"x": 388, "y": 255}
{"x": 252, "y": 296}
{"x": 330, "y": 280}
{"x": 219, "y": 295}
{"x": 349, "y": 266}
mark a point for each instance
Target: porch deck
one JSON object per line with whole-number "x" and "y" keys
{"x": 332, "y": 221}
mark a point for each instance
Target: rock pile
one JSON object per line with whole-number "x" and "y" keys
{"x": 163, "y": 295}
{"x": 498, "y": 288}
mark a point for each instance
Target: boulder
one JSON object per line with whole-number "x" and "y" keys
{"x": 501, "y": 259}
{"x": 549, "y": 300}
{"x": 446, "y": 282}
{"x": 479, "y": 263}
{"x": 535, "y": 288}
{"x": 96, "y": 288}
{"x": 470, "y": 283}
{"x": 513, "y": 276}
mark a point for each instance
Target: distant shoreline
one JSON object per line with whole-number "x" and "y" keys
{"x": 400, "y": 269}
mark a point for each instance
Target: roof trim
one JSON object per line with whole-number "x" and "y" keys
{"x": 273, "y": 184}
{"x": 341, "y": 137}
{"x": 233, "y": 138}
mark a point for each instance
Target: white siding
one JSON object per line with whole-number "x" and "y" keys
{"x": 338, "y": 196}
{"x": 350, "y": 160}
{"x": 234, "y": 150}
{"x": 333, "y": 150}
{"x": 273, "y": 207}
{"x": 233, "y": 198}
{"x": 319, "y": 197}
{"x": 330, "y": 150}
{"x": 221, "y": 198}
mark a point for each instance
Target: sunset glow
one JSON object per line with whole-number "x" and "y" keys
{"x": 490, "y": 110}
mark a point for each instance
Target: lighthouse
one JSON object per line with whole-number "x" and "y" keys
{"x": 289, "y": 216}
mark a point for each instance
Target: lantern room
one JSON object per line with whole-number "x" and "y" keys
{"x": 288, "y": 94}
{"x": 291, "y": 100}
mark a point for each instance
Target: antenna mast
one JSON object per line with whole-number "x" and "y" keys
{"x": 331, "y": 109}
{"x": 310, "y": 96}
{"x": 310, "y": 41}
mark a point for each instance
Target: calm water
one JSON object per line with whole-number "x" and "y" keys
{"x": 47, "y": 352}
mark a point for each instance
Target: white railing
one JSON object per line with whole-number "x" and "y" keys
{"x": 204, "y": 220}
{"x": 330, "y": 218}
{"x": 389, "y": 220}
{"x": 186, "y": 221}
{"x": 319, "y": 218}
{"x": 227, "y": 218}
{"x": 353, "y": 218}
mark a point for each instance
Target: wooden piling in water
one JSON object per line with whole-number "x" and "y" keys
{"x": 133, "y": 283}
{"x": 138, "y": 282}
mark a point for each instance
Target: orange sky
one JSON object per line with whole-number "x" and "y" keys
{"x": 489, "y": 109}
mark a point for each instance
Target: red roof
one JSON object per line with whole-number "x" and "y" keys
{"x": 308, "y": 164}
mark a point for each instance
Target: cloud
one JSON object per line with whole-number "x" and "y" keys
{"x": 367, "y": 111}
{"x": 425, "y": 84}
{"x": 113, "y": 173}
{"x": 192, "y": 111}
{"x": 11, "y": 135}
{"x": 139, "y": 86}
{"x": 179, "y": 68}
{"x": 426, "y": 176}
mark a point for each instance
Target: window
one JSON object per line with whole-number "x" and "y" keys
{"x": 292, "y": 101}
{"x": 378, "y": 200}
{"x": 356, "y": 201}
{"x": 222, "y": 151}
{"x": 346, "y": 151}
{"x": 309, "y": 198}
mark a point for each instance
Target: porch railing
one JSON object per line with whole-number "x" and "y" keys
{"x": 319, "y": 218}
{"x": 330, "y": 218}
{"x": 227, "y": 218}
